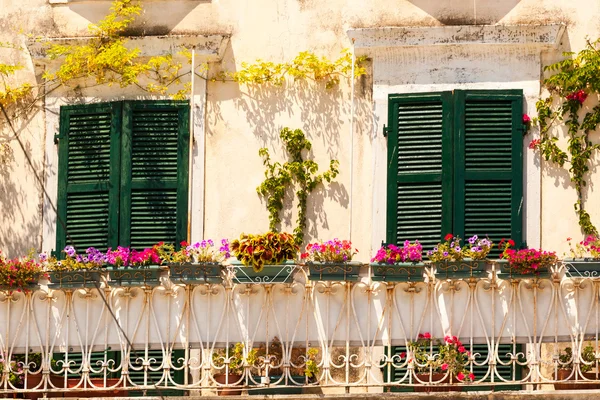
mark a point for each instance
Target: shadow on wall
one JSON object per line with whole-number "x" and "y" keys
{"x": 20, "y": 227}
{"x": 152, "y": 21}
{"x": 323, "y": 115}
{"x": 466, "y": 12}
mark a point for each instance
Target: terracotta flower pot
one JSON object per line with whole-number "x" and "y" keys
{"x": 34, "y": 380}
{"x": 439, "y": 387}
{"x": 563, "y": 374}
{"x": 229, "y": 379}
{"x": 98, "y": 382}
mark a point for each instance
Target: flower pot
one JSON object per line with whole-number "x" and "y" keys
{"x": 275, "y": 389}
{"x": 135, "y": 276}
{"x": 401, "y": 272}
{"x": 439, "y": 377}
{"x": 582, "y": 267}
{"x": 189, "y": 273}
{"x": 229, "y": 379}
{"x": 75, "y": 279}
{"x": 465, "y": 268}
{"x": 34, "y": 382}
{"x": 283, "y": 273}
{"x": 347, "y": 271}
{"x": 504, "y": 271}
{"x": 92, "y": 393}
{"x": 563, "y": 374}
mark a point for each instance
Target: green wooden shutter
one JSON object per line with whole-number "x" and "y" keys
{"x": 419, "y": 191}
{"x": 489, "y": 164}
{"x": 154, "y": 173}
{"x": 88, "y": 169}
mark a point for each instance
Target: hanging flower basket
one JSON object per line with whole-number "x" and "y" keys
{"x": 400, "y": 272}
{"x": 135, "y": 276}
{"x": 330, "y": 271}
{"x": 75, "y": 278}
{"x": 465, "y": 268}
{"x": 192, "y": 273}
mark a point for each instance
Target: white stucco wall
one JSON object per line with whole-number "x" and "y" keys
{"x": 238, "y": 120}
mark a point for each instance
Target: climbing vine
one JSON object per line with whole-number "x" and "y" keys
{"x": 572, "y": 81}
{"x": 298, "y": 172}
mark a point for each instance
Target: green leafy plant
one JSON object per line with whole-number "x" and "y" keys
{"x": 237, "y": 356}
{"x": 572, "y": 81}
{"x": 19, "y": 273}
{"x": 449, "y": 250}
{"x": 587, "y": 355}
{"x": 269, "y": 248}
{"x": 298, "y": 172}
{"x": 432, "y": 356}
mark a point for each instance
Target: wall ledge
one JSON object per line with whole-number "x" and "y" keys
{"x": 541, "y": 36}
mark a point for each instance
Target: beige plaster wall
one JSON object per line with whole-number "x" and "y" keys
{"x": 241, "y": 119}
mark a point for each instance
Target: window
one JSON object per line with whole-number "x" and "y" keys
{"x": 123, "y": 174}
{"x": 455, "y": 166}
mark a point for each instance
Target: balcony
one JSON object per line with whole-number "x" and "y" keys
{"x": 106, "y": 338}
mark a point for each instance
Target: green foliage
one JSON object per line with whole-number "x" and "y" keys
{"x": 573, "y": 79}
{"x": 306, "y": 65}
{"x": 311, "y": 368}
{"x": 588, "y": 357}
{"x": 261, "y": 250}
{"x": 237, "y": 356}
{"x": 298, "y": 172}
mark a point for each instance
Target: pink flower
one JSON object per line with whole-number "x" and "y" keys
{"x": 472, "y": 376}
{"x": 526, "y": 119}
{"x": 460, "y": 376}
{"x": 427, "y": 335}
{"x": 444, "y": 367}
{"x": 448, "y": 339}
{"x": 535, "y": 143}
{"x": 461, "y": 349}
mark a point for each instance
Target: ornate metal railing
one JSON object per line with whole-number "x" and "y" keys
{"x": 124, "y": 339}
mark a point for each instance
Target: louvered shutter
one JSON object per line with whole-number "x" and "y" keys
{"x": 154, "y": 174}
{"x": 88, "y": 173}
{"x": 489, "y": 164}
{"x": 419, "y": 192}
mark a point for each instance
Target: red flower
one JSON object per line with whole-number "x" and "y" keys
{"x": 461, "y": 349}
{"x": 511, "y": 242}
{"x": 460, "y": 376}
{"x": 472, "y": 376}
{"x": 303, "y": 256}
{"x": 184, "y": 243}
{"x": 448, "y": 237}
{"x": 444, "y": 367}
{"x": 526, "y": 119}
{"x": 535, "y": 143}
{"x": 579, "y": 96}
{"x": 427, "y": 335}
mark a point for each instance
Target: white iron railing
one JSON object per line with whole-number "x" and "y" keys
{"x": 164, "y": 337}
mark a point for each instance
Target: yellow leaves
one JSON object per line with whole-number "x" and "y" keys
{"x": 305, "y": 65}
{"x": 14, "y": 95}
{"x": 8, "y": 69}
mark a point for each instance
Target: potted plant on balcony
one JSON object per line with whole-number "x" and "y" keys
{"x": 129, "y": 267}
{"x": 266, "y": 258}
{"x": 525, "y": 262}
{"x": 585, "y": 257}
{"x": 271, "y": 366}
{"x": 332, "y": 261}
{"x": 74, "y": 270}
{"x": 565, "y": 371}
{"x": 230, "y": 364}
{"x": 199, "y": 262}
{"x": 437, "y": 364}
{"x": 19, "y": 273}
{"x": 393, "y": 263}
{"x": 452, "y": 260}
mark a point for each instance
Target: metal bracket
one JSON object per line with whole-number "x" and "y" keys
{"x": 386, "y": 130}
{"x": 57, "y": 137}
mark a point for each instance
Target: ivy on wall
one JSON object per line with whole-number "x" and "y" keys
{"x": 572, "y": 81}
{"x": 298, "y": 173}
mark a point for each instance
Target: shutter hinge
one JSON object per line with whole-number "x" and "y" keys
{"x": 386, "y": 130}
{"x": 57, "y": 137}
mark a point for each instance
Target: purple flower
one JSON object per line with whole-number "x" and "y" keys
{"x": 43, "y": 257}
{"x": 445, "y": 254}
{"x": 473, "y": 239}
{"x": 70, "y": 250}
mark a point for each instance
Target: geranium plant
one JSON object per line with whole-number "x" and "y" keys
{"x": 587, "y": 248}
{"x": 19, "y": 273}
{"x": 392, "y": 254}
{"x": 269, "y": 248}
{"x": 587, "y": 355}
{"x": 331, "y": 251}
{"x": 526, "y": 261}
{"x": 449, "y": 356}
